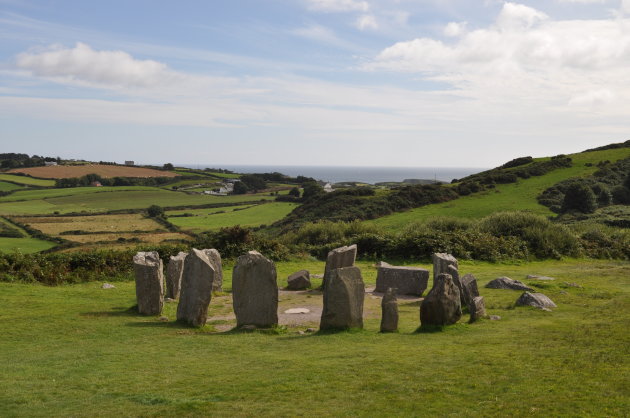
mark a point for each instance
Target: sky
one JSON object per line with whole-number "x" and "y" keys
{"x": 410, "y": 83}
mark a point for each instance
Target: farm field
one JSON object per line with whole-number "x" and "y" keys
{"x": 99, "y": 223}
{"x": 98, "y": 200}
{"x": 506, "y": 197}
{"x": 29, "y": 181}
{"x": 24, "y": 245}
{"x": 146, "y": 237}
{"x": 8, "y": 187}
{"x": 569, "y": 362}
{"x": 250, "y": 216}
{"x": 105, "y": 171}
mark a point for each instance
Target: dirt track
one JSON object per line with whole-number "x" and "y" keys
{"x": 105, "y": 171}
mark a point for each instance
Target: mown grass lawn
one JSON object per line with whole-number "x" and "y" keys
{"x": 506, "y": 197}
{"x": 79, "y": 350}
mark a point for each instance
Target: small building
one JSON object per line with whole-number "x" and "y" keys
{"x": 96, "y": 184}
{"x": 130, "y": 163}
{"x": 328, "y": 188}
{"x": 50, "y": 163}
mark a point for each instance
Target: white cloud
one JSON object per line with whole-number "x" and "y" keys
{"x": 84, "y": 64}
{"x": 366, "y": 22}
{"x": 455, "y": 29}
{"x": 515, "y": 15}
{"x": 338, "y": 5}
{"x": 583, "y": 1}
{"x": 625, "y": 6}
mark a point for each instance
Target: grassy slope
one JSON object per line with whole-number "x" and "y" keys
{"x": 81, "y": 352}
{"x": 25, "y": 245}
{"x": 516, "y": 196}
{"x": 29, "y": 181}
{"x": 205, "y": 220}
{"x": 8, "y": 187}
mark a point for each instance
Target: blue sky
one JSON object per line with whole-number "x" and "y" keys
{"x": 469, "y": 83}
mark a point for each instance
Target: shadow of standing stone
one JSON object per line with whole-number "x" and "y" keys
{"x": 344, "y": 294}
{"x": 196, "y": 291}
{"x": 174, "y": 273}
{"x": 389, "y": 308}
{"x": 442, "y": 306}
{"x": 255, "y": 291}
{"x": 149, "y": 276}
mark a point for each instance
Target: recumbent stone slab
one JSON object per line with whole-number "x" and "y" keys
{"x": 148, "y": 269}
{"x": 174, "y": 272}
{"x": 389, "y": 308}
{"x": 255, "y": 291}
{"x": 441, "y": 261}
{"x": 344, "y": 294}
{"x": 196, "y": 289}
{"x": 442, "y": 306}
{"x": 537, "y": 300}
{"x": 507, "y": 283}
{"x": 299, "y": 280}
{"x": 407, "y": 280}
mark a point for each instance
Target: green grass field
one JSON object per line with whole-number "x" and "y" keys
{"x": 91, "y": 199}
{"x": 29, "y": 181}
{"x": 79, "y": 350}
{"x": 209, "y": 219}
{"x": 506, "y": 197}
{"x": 8, "y": 187}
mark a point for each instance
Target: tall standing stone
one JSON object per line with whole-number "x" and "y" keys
{"x": 148, "y": 268}
{"x": 442, "y": 306}
{"x": 255, "y": 291}
{"x": 408, "y": 280}
{"x": 389, "y": 308}
{"x": 174, "y": 272}
{"x": 215, "y": 259}
{"x": 344, "y": 293}
{"x": 469, "y": 289}
{"x": 441, "y": 261}
{"x": 454, "y": 272}
{"x": 341, "y": 257}
{"x": 196, "y": 291}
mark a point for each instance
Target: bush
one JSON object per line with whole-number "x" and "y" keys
{"x": 579, "y": 197}
{"x": 155, "y": 211}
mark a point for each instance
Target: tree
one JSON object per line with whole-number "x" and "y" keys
{"x": 155, "y": 211}
{"x": 579, "y": 197}
{"x": 253, "y": 182}
{"x": 295, "y": 192}
{"x": 168, "y": 166}
{"x": 312, "y": 189}
{"x": 240, "y": 188}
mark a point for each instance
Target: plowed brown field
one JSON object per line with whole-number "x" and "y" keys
{"x": 105, "y": 171}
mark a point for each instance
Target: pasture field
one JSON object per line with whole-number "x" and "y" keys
{"x": 93, "y": 355}
{"x": 8, "y": 187}
{"x": 88, "y": 199}
{"x": 256, "y": 215}
{"x": 28, "y": 181}
{"x": 506, "y": 197}
{"x": 105, "y": 171}
{"x": 24, "y": 245}
{"x": 147, "y": 237}
{"x": 54, "y": 226}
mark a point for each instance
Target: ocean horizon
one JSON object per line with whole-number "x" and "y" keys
{"x": 337, "y": 174}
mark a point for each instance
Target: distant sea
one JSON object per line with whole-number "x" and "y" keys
{"x": 335, "y": 174}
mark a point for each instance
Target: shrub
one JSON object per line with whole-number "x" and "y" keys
{"x": 579, "y": 197}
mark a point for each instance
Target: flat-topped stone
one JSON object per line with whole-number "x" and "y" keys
{"x": 441, "y": 261}
{"x": 255, "y": 291}
{"x": 148, "y": 269}
{"x": 407, "y": 280}
{"x": 341, "y": 257}
{"x": 174, "y": 273}
{"x": 543, "y": 278}
{"x": 196, "y": 288}
{"x": 344, "y": 294}
{"x": 442, "y": 306}
{"x": 477, "y": 308}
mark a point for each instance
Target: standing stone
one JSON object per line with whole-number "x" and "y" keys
{"x": 408, "y": 280}
{"x": 389, "y": 307}
{"x": 477, "y": 309}
{"x": 215, "y": 259}
{"x": 174, "y": 272}
{"x": 255, "y": 291}
{"x": 469, "y": 289}
{"x": 196, "y": 290}
{"x": 537, "y": 300}
{"x": 148, "y": 267}
{"x": 340, "y": 257}
{"x": 299, "y": 280}
{"x": 344, "y": 293}
{"x": 454, "y": 272}
{"x": 441, "y": 261}
{"x": 442, "y": 306}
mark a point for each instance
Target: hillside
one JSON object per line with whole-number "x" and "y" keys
{"x": 507, "y": 197}
{"x": 105, "y": 171}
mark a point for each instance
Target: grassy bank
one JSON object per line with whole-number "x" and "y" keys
{"x": 79, "y": 350}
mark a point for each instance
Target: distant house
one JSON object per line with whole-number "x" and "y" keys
{"x": 130, "y": 163}
{"x": 96, "y": 184}
{"x": 50, "y": 163}
{"x": 328, "y": 188}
